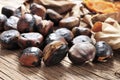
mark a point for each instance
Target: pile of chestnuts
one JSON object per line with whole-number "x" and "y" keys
{"x": 36, "y": 33}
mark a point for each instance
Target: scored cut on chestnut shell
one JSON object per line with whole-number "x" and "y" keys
{"x": 54, "y": 53}
{"x": 31, "y": 57}
{"x": 81, "y": 53}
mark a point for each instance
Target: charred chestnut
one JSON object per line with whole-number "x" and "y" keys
{"x": 54, "y": 53}
{"x": 11, "y": 23}
{"x": 54, "y": 37}
{"x": 30, "y": 39}
{"x": 103, "y": 51}
{"x": 69, "y": 22}
{"x": 82, "y": 38}
{"x": 38, "y": 10}
{"x": 31, "y": 57}
{"x": 81, "y": 53}
{"x": 26, "y": 23}
{"x": 53, "y": 16}
{"x": 66, "y": 33}
{"x": 81, "y": 31}
{"x": 9, "y": 39}
{"x": 45, "y": 27}
{"x": 8, "y": 10}
{"x": 3, "y": 19}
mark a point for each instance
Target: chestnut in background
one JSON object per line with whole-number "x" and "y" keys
{"x": 81, "y": 31}
{"x": 38, "y": 10}
{"x": 26, "y": 23}
{"x": 30, "y": 39}
{"x": 103, "y": 51}
{"x": 45, "y": 27}
{"x": 54, "y": 53}
{"x": 66, "y": 33}
{"x": 8, "y": 39}
{"x": 11, "y": 23}
{"x": 31, "y": 57}
{"x": 3, "y": 19}
{"x": 81, "y": 53}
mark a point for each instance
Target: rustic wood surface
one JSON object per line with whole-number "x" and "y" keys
{"x": 10, "y": 69}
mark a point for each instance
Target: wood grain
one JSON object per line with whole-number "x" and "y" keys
{"x": 10, "y": 69}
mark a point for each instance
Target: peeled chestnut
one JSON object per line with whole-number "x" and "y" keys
{"x": 30, "y": 39}
{"x": 53, "y": 16}
{"x": 82, "y": 38}
{"x": 8, "y": 10}
{"x": 54, "y": 37}
{"x": 3, "y": 19}
{"x": 103, "y": 51}
{"x": 54, "y": 53}
{"x": 45, "y": 27}
{"x": 81, "y": 53}
{"x": 38, "y": 10}
{"x": 11, "y": 23}
{"x": 66, "y": 33}
{"x": 69, "y": 22}
{"x": 81, "y": 31}
{"x": 9, "y": 39}
{"x": 26, "y": 23}
{"x": 31, "y": 57}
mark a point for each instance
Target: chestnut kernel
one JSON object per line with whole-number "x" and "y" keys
{"x": 31, "y": 57}
{"x": 54, "y": 53}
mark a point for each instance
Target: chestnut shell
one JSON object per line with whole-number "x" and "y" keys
{"x": 3, "y": 19}
{"x": 54, "y": 53}
{"x": 103, "y": 51}
{"x": 31, "y": 57}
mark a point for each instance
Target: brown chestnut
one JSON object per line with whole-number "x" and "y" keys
{"x": 31, "y": 57}
{"x": 8, "y": 10}
{"x": 11, "y": 23}
{"x": 81, "y": 53}
{"x": 69, "y": 22}
{"x": 3, "y": 19}
{"x": 30, "y": 39}
{"x": 38, "y": 10}
{"x": 54, "y": 37}
{"x": 26, "y": 23}
{"x": 9, "y": 39}
{"x": 81, "y": 31}
{"x": 54, "y": 53}
{"x": 66, "y": 33}
{"x": 82, "y": 38}
{"x": 45, "y": 27}
{"x": 53, "y": 16}
{"x": 103, "y": 51}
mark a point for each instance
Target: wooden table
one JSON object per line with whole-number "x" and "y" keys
{"x": 10, "y": 69}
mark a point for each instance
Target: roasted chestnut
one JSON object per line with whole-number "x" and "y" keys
{"x": 3, "y": 19}
{"x": 69, "y": 22}
{"x": 26, "y": 23}
{"x": 54, "y": 37}
{"x": 54, "y": 53}
{"x": 82, "y": 38}
{"x": 45, "y": 27}
{"x": 11, "y": 23}
{"x": 31, "y": 57}
{"x": 81, "y": 31}
{"x": 30, "y": 39}
{"x": 103, "y": 51}
{"x": 66, "y": 33}
{"x": 8, "y": 10}
{"x": 81, "y": 53}
{"x": 38, "y": 10}
{"x": 9, "y": 39}
{"x": 53, "y": 16}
